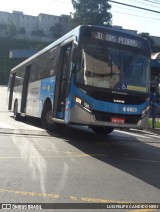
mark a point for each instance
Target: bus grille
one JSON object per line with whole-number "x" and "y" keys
{"x": 129, "y": 119}
{"x": 109, "y": 97}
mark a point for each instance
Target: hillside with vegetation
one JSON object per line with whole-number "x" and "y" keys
{"x": 9, "y": 43}
{"x": 6, "y": 45}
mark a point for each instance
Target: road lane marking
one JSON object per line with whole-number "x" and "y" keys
{"x": 82, "y": 155}
{"x": 57, "y": 156}
{"x": 142, "y": 210}
{"x": 93, "y": 200}
{"x": 57, "y": 196}
{"x": 143, "y": 160}
{"x": 74, "y": 198}
{"x": 26, "y": 193}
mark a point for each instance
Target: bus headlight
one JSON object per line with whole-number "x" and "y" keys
{"x": 78, "y": 100}
{"x": 87, "y": 106}
{"x": 84, "y": 104}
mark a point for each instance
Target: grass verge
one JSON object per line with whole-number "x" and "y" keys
{"x": 157, "y": 122}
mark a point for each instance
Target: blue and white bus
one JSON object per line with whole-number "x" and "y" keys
{"x": 94, "y": 76}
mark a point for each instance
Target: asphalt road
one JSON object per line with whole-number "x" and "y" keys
{"x": 76, "y": 165}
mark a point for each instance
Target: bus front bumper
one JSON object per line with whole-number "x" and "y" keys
{"x": 79, "y": 115}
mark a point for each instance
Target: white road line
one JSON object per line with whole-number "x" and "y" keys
{"x": 134, "y": 134}
{"x": 148, "y": 133}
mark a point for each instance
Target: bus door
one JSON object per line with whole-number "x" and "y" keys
{"x": 61, "y": 82}
{"x": 11, "y": 87}
{"x": 25, "y": 89}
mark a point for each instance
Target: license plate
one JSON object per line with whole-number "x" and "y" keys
{"x": 118, "y": 120}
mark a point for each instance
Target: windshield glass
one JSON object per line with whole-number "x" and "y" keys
{"x": 113, "y": 68}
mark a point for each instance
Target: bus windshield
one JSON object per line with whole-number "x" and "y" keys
{"x": 113, "y": 68}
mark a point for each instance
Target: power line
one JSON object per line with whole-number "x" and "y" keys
{"x": 136, "y": 15}
{"x": 145, "y": 3}
{"x": 128, "y": 5}
{"x": 134, "y": 11}
{"x": 151, "y": 2}
{"x": 149, "y": 10}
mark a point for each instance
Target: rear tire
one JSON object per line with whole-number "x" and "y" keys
{"x": 102, "y": 130}
{"x": 46, "y": 120}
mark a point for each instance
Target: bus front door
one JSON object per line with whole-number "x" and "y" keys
{"x": 25, "y": 89}
{"x": 61, "y": 83}
{"x": 11, "y": 88}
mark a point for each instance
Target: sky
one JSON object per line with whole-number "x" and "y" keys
{"x": 127, "y": 17}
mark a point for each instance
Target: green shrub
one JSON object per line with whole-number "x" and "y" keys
{"x": 157, "y": 122}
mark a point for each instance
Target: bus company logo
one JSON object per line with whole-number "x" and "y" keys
{"x": 119, "y": 101}
{"x": 130, "y": 109}
{"x": 6, "y": 206}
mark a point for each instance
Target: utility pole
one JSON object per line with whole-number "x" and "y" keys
{"x": 154, "y": 100}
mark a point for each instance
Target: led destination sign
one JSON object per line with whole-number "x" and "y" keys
{"x": 116, "y": 39}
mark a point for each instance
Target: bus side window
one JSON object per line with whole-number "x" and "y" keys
{"x": 34, "y": 73}
{"x": 48, "y": 64}
{"x": 52, "y": 66}
{"x": 19, "y": 77}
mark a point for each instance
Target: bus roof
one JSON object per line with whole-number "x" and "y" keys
{"x": 75, "y": 32}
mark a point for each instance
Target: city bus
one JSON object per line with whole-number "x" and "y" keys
{"x": 93, "y": 76}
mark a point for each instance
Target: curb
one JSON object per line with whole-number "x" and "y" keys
{"x": 25, "y": 132}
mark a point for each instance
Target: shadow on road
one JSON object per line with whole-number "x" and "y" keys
{"x": 124, "y": 152}
{"x": 139, "y": 159}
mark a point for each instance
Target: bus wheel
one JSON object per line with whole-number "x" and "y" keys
{"x": 102, "y": 130}
{"x": 15, "y": 111}
{"x": 46, "y": 120}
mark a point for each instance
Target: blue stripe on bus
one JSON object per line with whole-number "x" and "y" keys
{"x": 109, "y": 106}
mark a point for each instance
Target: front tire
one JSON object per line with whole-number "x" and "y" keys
{"x": 46, "y": 120}
{"x": 102, "y": 130}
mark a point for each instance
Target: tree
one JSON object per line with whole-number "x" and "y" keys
{"x": 11, "y": 29}
{"x": 38, "y": 33}
{"x": 22, "y": 30}
{"x": 3, "y": 27}
{"x": 91, "y": 12}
